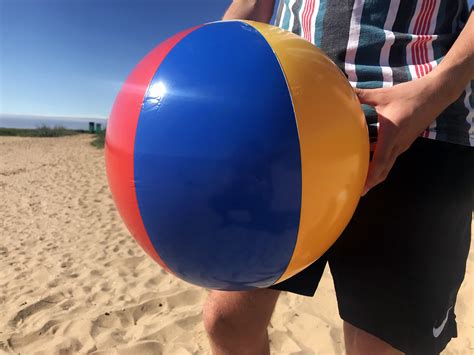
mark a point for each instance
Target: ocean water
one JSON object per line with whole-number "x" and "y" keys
{"x": 20, "y": 121}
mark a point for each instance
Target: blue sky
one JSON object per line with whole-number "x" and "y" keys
{"x": 70, "y": 57}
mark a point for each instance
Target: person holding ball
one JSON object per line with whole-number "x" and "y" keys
{"x": 400, "y": 262}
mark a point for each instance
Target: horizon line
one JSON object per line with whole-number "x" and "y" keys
{"x": 28, "y": 115}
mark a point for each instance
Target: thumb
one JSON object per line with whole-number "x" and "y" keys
{"x": 366, "y": 96}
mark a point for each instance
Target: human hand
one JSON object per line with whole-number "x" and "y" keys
{"x": 404, "y": 112}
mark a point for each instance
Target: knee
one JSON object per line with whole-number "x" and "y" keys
{"x": 358, "y": 341}
{"x": 218, "y": 321}
{"x": 239, "y": 315}
{"x": 235, "y": 316}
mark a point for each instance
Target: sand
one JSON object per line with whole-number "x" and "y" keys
{"x": 72, "y": 280}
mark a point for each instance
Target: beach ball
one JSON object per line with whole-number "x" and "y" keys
{"x": 236, "y": 154}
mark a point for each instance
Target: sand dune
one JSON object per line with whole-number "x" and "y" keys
{"x": 72, "y": 280}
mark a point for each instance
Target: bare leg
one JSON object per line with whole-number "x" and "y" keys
{"x": 236, "y": 322}
{"x": 359, "y": 342}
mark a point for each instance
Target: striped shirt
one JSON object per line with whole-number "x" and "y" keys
{"x": 380, "y": 43}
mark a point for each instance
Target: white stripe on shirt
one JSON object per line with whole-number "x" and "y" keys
{"x": 387, "y": 71}
{"x": 353, "y": 41}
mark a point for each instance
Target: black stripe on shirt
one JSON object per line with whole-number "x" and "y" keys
{"x": 398, "y": 53}
{"x": 295, "y": 9}
{"x": 337, "y": 21}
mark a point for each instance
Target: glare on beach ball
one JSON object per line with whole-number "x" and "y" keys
{"x": 236, "y": 153}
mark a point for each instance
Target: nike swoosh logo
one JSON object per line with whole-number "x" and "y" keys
{"x": 438, "y": 330}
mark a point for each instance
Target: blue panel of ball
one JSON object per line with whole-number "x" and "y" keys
{"x": 217, "y": 141}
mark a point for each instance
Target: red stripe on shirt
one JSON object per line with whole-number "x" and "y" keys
{"x": 307, "y": 14}
{"x": 428, "y": 36}
{"x": 416, "y": 31}
{"x": 420, "y": 47}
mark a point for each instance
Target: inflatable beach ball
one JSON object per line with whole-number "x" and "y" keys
{"x": 236, "y": 154}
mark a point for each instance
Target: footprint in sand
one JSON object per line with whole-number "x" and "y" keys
{"x": 189, "y": 323}
{"x": 36, "y": 307}
{"x": 150, "y": 347}
{"x": 153, "y": 282}
{"x": 66, "y": 305}
{"x": 66, "y": 264}
{"x": 53, "y": 284}
{"x": 185, "y": 298}
{"x": 3, "y": 251}
{"x": 17, "y": 341}
{"x": 97, "y": 273}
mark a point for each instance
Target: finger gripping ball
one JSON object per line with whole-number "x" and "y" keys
{"x": 236, "y": 153}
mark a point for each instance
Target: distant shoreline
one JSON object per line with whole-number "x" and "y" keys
{"x": 33, "y": 122}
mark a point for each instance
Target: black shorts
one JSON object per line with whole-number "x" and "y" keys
{"x": 398, "y": 266}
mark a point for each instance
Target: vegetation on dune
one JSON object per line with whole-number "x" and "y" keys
{"x": 40, "y": 131}
{"x": 99, "y": 139}
{"x": 57, "y": 131}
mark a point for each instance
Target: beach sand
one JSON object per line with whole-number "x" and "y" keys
{"x": 72, "y": 279}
